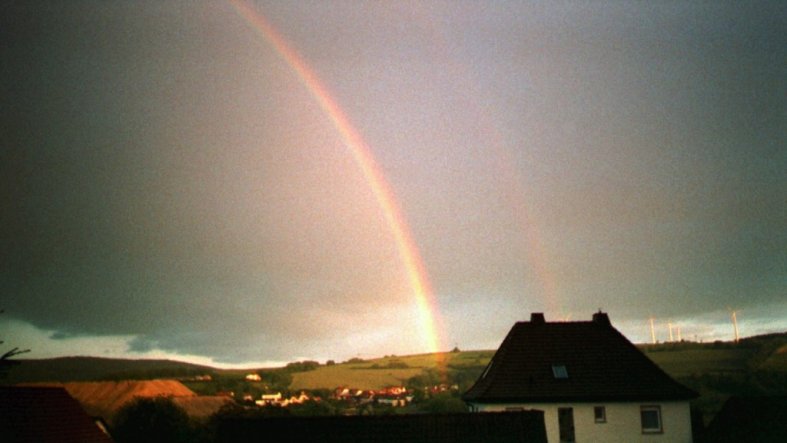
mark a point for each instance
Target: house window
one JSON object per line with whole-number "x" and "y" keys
{"x": 651, "y": 419}
{"x": 559, "y": 371}
{"x": 600, "y": 414}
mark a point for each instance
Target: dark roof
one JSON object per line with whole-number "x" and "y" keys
{"x": 749, "y": 419}
{"x": 41, "y": 415}
{"x": 601, "y": 364}
{"x": 499, "y": 427}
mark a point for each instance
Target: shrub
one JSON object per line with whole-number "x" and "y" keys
{"x": 152, "y": 420}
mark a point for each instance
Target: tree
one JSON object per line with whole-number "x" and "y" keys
{"x": 155, "y": 419}
{"x": 302, "y": 366}
{"x": 426, "y": 379}
{"x": 312, "y": 409}
{"x": 443, "y": 403}
{"x": 5, "y": 358}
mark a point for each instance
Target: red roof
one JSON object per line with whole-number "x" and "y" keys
{"x": 42, "y": 415}
{"x": 587, "y": 361}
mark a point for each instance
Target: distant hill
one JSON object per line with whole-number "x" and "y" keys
{"x": 680, "y": 359}
{"x": 66, "y": 369}
{"x": 758, "y": 353}
{"x": 389, "y": 371}
{"x": 753, "y": 366}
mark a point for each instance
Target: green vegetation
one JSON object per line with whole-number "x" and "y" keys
{"x": 753, "y": 366}
{"x": 302, "y": 366}
{"x": 392, "y": 364}
{"x": 443, "y": 403}
{"x": 234, "y": 381}
{"x": 395, "y": 371}
{"x": 155, "y": 419}
{"x": 344, "y": 374}
{"x": 683, "y": 363}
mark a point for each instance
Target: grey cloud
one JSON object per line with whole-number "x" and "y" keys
{"x": 164, "y": 174}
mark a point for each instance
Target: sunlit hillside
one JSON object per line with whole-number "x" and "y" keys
{"x": 753, "y": 366}
{"x": 387, "y": 371}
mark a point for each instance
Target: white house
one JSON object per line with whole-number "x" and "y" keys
{"x": 590, "y": 381}
{"x": 253, "y": 377}
{"x": 269, "y": 399}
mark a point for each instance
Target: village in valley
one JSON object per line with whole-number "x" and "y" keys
{"x": 345, "y": 400}
{"x": 548, "y": 382}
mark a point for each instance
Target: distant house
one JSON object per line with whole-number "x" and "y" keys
{"x": 391, "y": 395}
{"x": 590, "y": 381}
{"x": 45, "y": 414}
{"x": 352, "y": 394}
{"x": 393, "y": 390}
{"x": 299, "y": 399}
{"x": 253, "y": 377}
{"x": 342, "y": 393}
{"x": 269, "y": 399}
{"x": 277, "y": 399}
{"x": 394, "y": 401}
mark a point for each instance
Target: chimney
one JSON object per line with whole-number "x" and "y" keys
{"x": 601, "y": 318}
{"x": 537, "y": 318}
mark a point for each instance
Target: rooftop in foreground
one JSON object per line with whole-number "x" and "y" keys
{"x": 542, "y": 361}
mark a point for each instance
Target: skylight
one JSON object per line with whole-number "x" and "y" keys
{"x": 559, "y": 371}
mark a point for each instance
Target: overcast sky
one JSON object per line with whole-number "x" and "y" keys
{"x": 170, "y": 187}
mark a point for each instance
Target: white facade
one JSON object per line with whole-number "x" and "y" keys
{"x": 622, "y": 421}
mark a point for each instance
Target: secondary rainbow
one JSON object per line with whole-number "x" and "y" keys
{"x": 408, "y": 251}
{"x": 516, "y": 194}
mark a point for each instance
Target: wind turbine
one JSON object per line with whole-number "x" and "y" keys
{"x": 669, "y": 324}
{"x": 734, "y": 316}
{"x": 652, "y": 331}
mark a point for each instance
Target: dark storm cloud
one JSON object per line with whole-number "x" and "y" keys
{"x": 59, "y": 335}
{"x": 163, "y": 174}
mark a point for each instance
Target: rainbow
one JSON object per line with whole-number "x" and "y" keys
{"x": 408, "y": 251}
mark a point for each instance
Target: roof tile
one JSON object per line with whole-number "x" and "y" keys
{"x": 602, "y": 365}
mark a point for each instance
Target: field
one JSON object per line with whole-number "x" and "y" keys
{"x": 386, "y": 371}
{"x": 354, "y": 376}
{"x": 687, "y": 362}
{"x": 754, "y": 366}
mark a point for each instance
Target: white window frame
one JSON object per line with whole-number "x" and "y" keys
{"x": 651, "y": 408}
{"x": 603, "y": 418}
